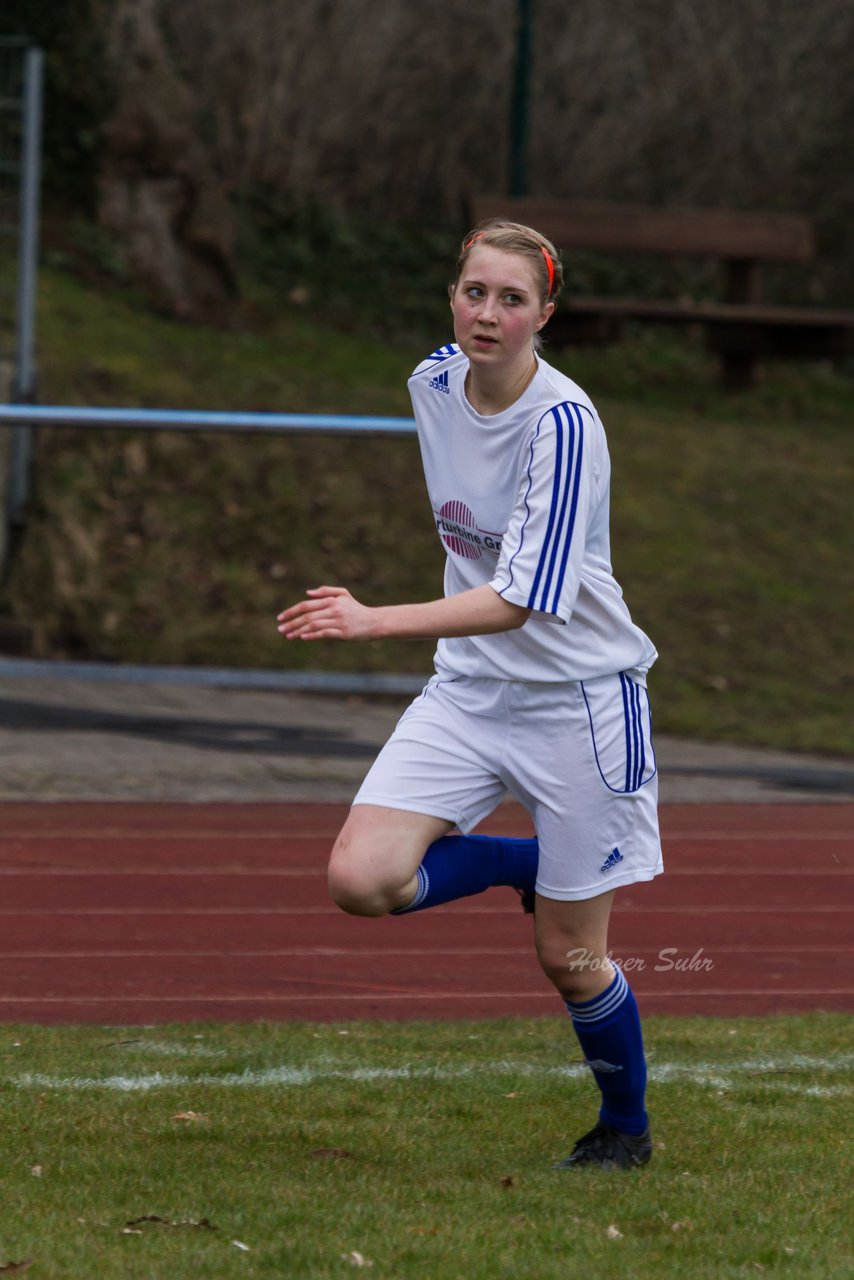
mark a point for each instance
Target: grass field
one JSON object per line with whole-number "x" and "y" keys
{"x": 419, "y": 1150}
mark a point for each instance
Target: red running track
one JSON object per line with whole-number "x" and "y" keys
{"x": 145, "y": 913}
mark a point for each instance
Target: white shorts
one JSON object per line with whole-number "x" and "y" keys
{"x": 578, "y": 756}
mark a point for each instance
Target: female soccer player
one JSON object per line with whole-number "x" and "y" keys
{"x": 540, "y": 684}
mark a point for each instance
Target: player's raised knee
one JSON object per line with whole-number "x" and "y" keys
{"x": 358, "y": 893}
{"x": 349, "y": 891}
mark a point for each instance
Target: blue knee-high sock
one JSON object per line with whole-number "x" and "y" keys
{"x": 609, "y": 1032}
{"x": 459, "y": 866}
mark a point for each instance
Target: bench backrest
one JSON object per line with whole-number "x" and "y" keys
{"x": 675, "y": 232}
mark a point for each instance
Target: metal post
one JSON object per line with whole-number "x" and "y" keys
{"x": 521, "y": 97}
{"x": 24, "y": 375}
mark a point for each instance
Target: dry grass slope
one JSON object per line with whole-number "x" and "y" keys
{"x": 731, "y": 516}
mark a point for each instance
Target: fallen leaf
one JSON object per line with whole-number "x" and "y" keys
{"x": 331, "y": 1153}
{"x": 510, "y": 1095}
{"x": 238, "y": 1244}
{"x": 37, "y": 1170}
{"x": 190, "y": 1116}
{"x": 507, "y": 1182}
{"x": 614, "y": 1233}
{"x": 687, "y": 1225}
{"x": 423, "y": 1231}
{"x": 17, "y": 1266}
{"x": 356, "y": 1258}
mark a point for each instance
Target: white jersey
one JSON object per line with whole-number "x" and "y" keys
{"x": 521, "y": 502}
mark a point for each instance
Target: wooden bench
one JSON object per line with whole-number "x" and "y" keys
{"x": 741, "y": 329}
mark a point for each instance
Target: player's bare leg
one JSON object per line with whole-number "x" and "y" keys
{"x": 572, "y": 945}
{"x": 391, "y": 860}
{"x": 373, "y": 865}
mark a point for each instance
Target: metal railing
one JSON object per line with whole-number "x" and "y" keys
{"x": 31, "y": 416}
{"x": 24, "y": 415}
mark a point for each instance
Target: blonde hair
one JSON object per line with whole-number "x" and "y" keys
{"x": 514, "y": 237}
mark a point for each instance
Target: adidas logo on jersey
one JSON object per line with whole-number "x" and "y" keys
{"x": 440, "y": 382}
{"x": 611, "y": 861}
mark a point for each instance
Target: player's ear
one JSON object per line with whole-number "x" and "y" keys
{"x": 452, "y": 289}
{"x": 548, "y": 312}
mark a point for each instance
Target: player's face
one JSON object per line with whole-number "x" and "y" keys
{"x": 496, "y": 307}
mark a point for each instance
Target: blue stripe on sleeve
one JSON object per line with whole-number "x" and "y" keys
{"x": 440, "y": 354}
{"x": 564, "y": 486}
{"x": 576, "y": 486}
{"x": 551, "y": 568}
{"x": 557, "y": 485}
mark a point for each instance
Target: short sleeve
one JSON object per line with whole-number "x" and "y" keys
{"x": 543, "y": 548}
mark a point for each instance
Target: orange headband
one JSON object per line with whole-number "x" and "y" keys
{"x": 548, "y": 257}
{"x": 551, "y": 267}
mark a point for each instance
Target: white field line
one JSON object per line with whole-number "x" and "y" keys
{"x": 733, "y": 1077}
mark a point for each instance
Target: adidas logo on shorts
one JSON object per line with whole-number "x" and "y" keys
{"x": 440, "y": 382}
{"x": 611, "y": 861}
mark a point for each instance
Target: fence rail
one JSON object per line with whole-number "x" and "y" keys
{"x": 192, "y": 420}
{"x": 23, "y": 415}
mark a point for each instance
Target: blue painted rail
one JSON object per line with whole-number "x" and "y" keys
{"x": 29, "y": 416}
{"x": 41, "y": 415}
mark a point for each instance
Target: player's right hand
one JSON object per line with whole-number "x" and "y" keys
{"x": 329, "y": 613}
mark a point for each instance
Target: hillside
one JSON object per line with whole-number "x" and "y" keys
{"x": 731, "y": 515}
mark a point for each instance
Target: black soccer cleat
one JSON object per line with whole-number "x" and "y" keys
{"x": 607, "y": 1148}
{"x": 528, "y": 898}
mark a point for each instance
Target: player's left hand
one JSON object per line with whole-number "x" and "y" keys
{"x": 329, "y": 613}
